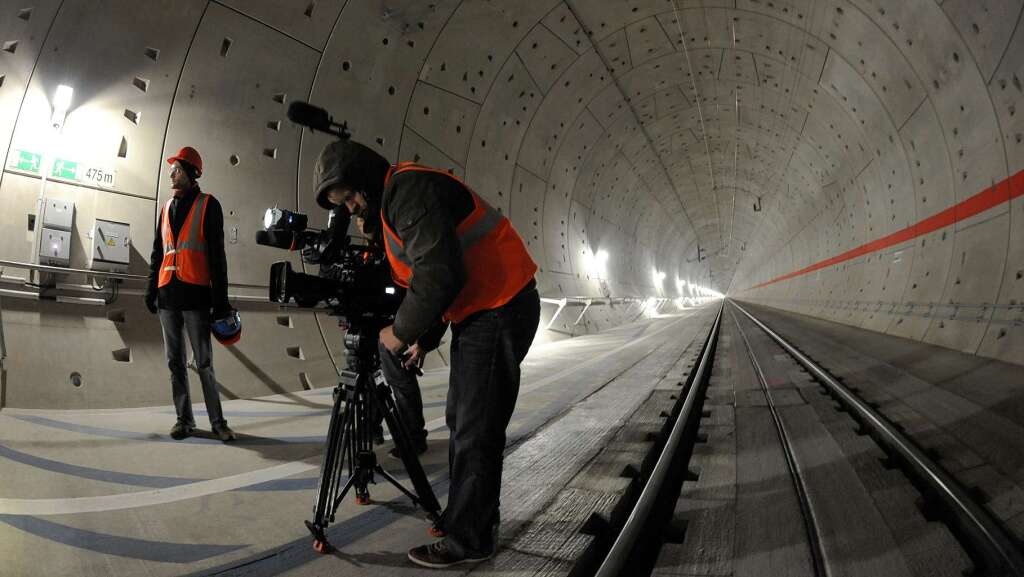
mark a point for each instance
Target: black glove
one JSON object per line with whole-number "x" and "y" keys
{"x": 151, "y": 301}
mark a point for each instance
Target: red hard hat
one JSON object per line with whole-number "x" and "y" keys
{"x": 189, "y": 155}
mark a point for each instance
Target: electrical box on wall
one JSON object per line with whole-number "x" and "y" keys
{"x": 58, "y": 214}
{"x": 55, "y": 247}
{"x": 111, "y": 246}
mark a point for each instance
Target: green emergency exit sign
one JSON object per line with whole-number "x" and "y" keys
{"x": 27, "y": 161}
{"x": 67, "y": 169}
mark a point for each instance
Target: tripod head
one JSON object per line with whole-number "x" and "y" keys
{"x": 361, "y": 343}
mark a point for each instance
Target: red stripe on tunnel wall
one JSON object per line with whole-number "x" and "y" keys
{"x": 989, "y": 198}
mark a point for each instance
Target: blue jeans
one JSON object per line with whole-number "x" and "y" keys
{"x": 197, "y": 324}
{"x": 486, "y": 351}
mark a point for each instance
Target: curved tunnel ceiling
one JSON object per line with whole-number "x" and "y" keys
{"x": 794, "y": 153}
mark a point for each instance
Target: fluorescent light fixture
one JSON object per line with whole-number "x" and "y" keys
{"x": 61, "y": 104}
{"x": 658, "y": 277}
{"x": 596, "y": 264}
{"x": 62, "y": 99}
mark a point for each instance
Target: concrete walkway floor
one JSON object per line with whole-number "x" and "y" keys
{"x": 108, "y": 492}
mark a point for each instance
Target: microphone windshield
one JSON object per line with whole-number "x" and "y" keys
{"x": 308, "y": 115}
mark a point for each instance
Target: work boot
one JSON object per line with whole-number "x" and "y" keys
{"x": 223, "y": 432}
{"x": 437, "y": 555}
{"x": 181, "y": 430}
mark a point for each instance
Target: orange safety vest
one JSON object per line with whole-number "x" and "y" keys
{"x": 497, "y": 263}
{"x": 185, "y": 257}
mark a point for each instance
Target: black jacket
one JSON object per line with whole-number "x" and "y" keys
{"x": 183, "y": 296}
{"x": 424, "y": 208}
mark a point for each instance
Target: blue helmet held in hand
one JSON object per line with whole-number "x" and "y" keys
{"x": 227, "y": 330}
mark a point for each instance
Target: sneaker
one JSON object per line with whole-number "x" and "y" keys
{"x": 181, "y": 430}
{"x": 223, "y": 432}
{"x": 437, "y": 555}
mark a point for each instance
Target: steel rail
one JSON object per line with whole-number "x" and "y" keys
{"x": 811, "y": 525}
{"x": 625, "y": 542}
{"x": 986, "y": 535}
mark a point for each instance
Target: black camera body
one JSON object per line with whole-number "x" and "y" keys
{"x": 354, "y": 281}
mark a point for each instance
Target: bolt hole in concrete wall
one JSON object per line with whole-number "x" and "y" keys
{"x": 306, "y": 382}
{"x": 122, "y": 355}
{"x": 296, "y": 353}
{"x": 233, "y": 160}
{"x": 75, "y": 379}
{"x": 285, "y": 321}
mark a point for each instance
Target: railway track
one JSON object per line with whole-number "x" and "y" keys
{"x": 852, "y": 493}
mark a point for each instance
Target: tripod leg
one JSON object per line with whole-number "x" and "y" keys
{"x": 324, "y": 504}
{"x": 427, "y": 500}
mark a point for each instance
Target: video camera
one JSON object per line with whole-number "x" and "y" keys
{"x": 355, "y": 279}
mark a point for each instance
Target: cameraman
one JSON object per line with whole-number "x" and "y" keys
{"x": 400, "y": 373}
{"x": 463, "y": 263}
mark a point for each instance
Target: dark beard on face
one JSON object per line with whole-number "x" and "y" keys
{"x": 370, "y": 220}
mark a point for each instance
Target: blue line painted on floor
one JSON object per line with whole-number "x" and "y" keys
{"x": 91, "y": 473}
{"x": 243, "y": 439}
{"x": 239, "y": 414}
{"x": 301, "y": 484}
{"x": 117, "y": 545}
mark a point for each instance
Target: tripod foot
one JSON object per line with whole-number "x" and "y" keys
{"x": 363, "y": 499}
{"x": 322, "y": 547}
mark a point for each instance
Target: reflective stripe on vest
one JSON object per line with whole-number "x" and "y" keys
{"x": 497, "y": 263}
{"x": 185, "y": 257}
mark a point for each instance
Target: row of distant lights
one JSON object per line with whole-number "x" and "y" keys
{"x": 596, "y": 265}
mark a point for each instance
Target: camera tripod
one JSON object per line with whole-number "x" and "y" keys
{"x": 361, "y": 395}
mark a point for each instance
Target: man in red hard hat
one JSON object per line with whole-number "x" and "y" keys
{"x": 188, "y": 276}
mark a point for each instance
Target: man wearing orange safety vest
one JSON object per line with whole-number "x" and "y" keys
{"x": 188, "y": 276}
{"x": 464, "y": 264}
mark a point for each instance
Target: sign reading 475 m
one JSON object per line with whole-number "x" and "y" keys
{"x": 62, "y": 169}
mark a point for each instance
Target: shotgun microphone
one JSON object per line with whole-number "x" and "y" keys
{"x": 316, "y": 119}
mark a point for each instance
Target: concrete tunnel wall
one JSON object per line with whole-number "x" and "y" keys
{"x": 725, "y": 143}
{"x": 511, "y": 96}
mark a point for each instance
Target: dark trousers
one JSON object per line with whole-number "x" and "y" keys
{"x": 406, "y": 390}
{"x": 197, "y": 324}
{"x": 486, "y": 351}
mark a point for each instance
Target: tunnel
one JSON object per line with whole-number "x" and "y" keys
{"x": 779, "y": 251}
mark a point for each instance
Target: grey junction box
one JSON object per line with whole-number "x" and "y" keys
{"x": 111, "y": 246}
{"x": 58, "y": 214}
{"x": 55, "y": 247}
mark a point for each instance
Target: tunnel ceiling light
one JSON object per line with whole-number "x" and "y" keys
{"x": 596, "y": 264}
{"x": 658, "y": 277}
{"x": 61, "y": 104}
